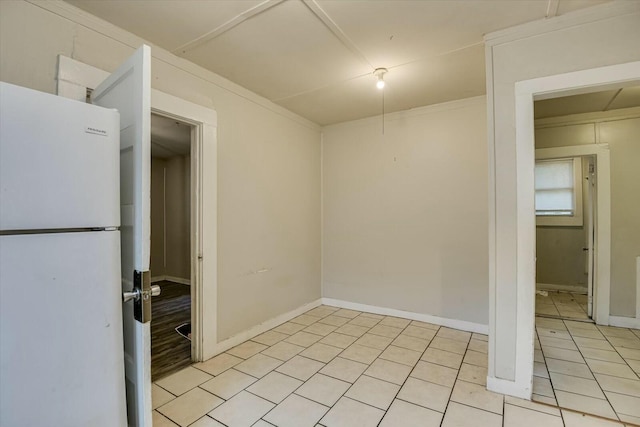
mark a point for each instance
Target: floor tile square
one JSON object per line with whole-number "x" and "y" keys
{"x": 321, "y": 352}
{"x": 274, "y": 387}
{"x": 183, "y": 380}
{"x": 583, "y": 342}
{"x": 360, "y": 353}
{"x": 412, "y": 343}
{"x": 531, "y": 405}
{"x": 401, "y": 355}
{"x": 243, "y": 409}
{"x": 540, "y": 369}
{"x": 419, "y": 332}
{"x": 435, "y": 373}
{"x": 269, "y": 338}
{"x": 385, "y": 331}
{"x": 426, "y": 394}
{"x": 159, "y": 396}
{"x": 373, "y": 391}
{"x": 624, "y": 404}
{"x": 349, "y": 314}
{"x": 610, "y": 368}
{"x": 628, "y": 353}
{"x": 334, "y": 320}
{"x": 476, "y": 358}
{"x": 473, "y": 374}
{"x": 246, "y": 349}
{"x": 569, "y": 368}
{"x": 259, "y": 365}
{"x": 575, "y": 419}
{"x": 192, "y": 405}
{"x": 454, "y": 334}
{"x": 544, "y": 399}
{"x": 344, "y": 369}
{"x": 542, "y": 386}
{"x": 323, "y": 311}
{"x": 576, "y": 385}
{"x": 479, "y": 345}
{"x": 323, "y": 389}
{"x": 562, "y": 354}
{"x": 480, "y": 337}
{"x": 338, "y": 340}
{"x": 218, "y": 364}
{"x": 461, "y": 415}
{"x": 516, "y": 416}
{"x": 305, "y": 319}
{"x": 441, "y": 357}
{"x": 407, "y": 414}
{"x": 228, "y": 384}
{"x": 160, "y": 420}
{"x": 477, "y": 396}
{"x": 283, "y": 351}
{"x": 349, "y": 413}
{"x": 300, "y": 368}
{"x": 585, "y": 404}
{"x": 296, "y": 411}
{"x": 321, "y": 329}
{"x": 304, "y": 339}
{"x": 395, "y": 322}
{"x": 353, "y": 330}
{"x": 597, "y": 354}
{"x": 365, "y": 321}
{"x": 447, "y": 344}
{"x": 627, "y": 386}
{"x": 374, "y": 341}
{"x": 372, "y": 315}
{"x": 388, "y": 371}
{"x": 558, "y": 343}
{"x": 205, "y": 421}
{"x": 425, "y": 325}
{"x": 289, "y": 328}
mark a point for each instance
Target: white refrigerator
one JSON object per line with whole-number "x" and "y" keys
{"x": 61, "y": 337}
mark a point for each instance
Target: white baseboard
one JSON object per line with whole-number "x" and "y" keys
{"x": 624, "y": 322}
{"x": 263, "y": 327}
{"x": 171, "y": 279}
{"x": 566, "y": 288}
{"x": 450, "y": 323}
{"x": 511, "y": 388}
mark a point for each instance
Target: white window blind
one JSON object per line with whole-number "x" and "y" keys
{"x": 558, "y": 192}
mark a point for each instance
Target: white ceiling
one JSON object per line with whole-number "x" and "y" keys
{"x": 316, "y": 57}
{"x": 589, "y": 103}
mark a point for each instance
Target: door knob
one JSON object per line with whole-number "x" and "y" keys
{"x": 155, "y": 290}
{"x": 133, "y": 295}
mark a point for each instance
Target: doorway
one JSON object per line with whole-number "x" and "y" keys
{"x": 170, "y": 262}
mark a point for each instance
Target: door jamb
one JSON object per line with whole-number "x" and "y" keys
{"x": 74, "y": 78}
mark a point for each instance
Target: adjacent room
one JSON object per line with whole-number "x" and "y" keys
{"x": 370, "y": 213}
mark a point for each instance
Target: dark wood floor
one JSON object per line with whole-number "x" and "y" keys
{"x": 170, "y": 352}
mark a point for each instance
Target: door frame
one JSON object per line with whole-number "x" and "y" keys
{"x": 602, "y": 211}
{"x": 526, "y": 93}
{"x": 74, "y": 78}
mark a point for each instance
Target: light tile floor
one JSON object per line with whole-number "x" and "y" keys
{"x": 342, "y": 368}
{"x": 562, "y": 304}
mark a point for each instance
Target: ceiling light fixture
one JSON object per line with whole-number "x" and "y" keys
{"x": 379, "y": 73}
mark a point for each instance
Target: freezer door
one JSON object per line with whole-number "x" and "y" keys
{"x": 61, "y": 330}
{"x": 59, "y": 162}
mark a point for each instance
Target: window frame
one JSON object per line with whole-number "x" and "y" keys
{"x": 575, "y": 220}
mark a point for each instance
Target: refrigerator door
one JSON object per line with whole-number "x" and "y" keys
{"x": 59, "y": 162}
{"x": 61, "y": 341}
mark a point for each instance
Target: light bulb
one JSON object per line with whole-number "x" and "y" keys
{"x": 380, "y": 83}
{"x": 379, "y": 74}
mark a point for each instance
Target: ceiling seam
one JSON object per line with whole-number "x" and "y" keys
{"x": 336, "y": 30}
{"x": 613, "y": 98}
{"x": 221, "y": 29}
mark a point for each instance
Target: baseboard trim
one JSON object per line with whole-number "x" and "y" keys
{"x": 511, "y": 388}
{"x": 171, "y": 279}
{"x": 442, "y": 321}
{"x": 566, "y": 288}
{"x": 624, "y": 322}
{"x": 263, "y": 327}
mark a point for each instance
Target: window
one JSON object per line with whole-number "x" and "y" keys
{"x": 558, "y": 192}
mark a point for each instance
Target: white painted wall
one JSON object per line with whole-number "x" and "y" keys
{"x": 405, "y": 213}
{"x": 595, "y": 37}
{"x": 268, "y": 167}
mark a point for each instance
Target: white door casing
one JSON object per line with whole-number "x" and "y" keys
{"x": 128, "y": 90}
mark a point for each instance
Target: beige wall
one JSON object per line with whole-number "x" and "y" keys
{"x": 405, "y": 213}
{"x": 170, "y": 217}
{"x": 592, "y": 38}
{"x": 268, "y": 169}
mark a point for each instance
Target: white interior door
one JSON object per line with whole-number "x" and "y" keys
{"x": 128, "y": 90}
